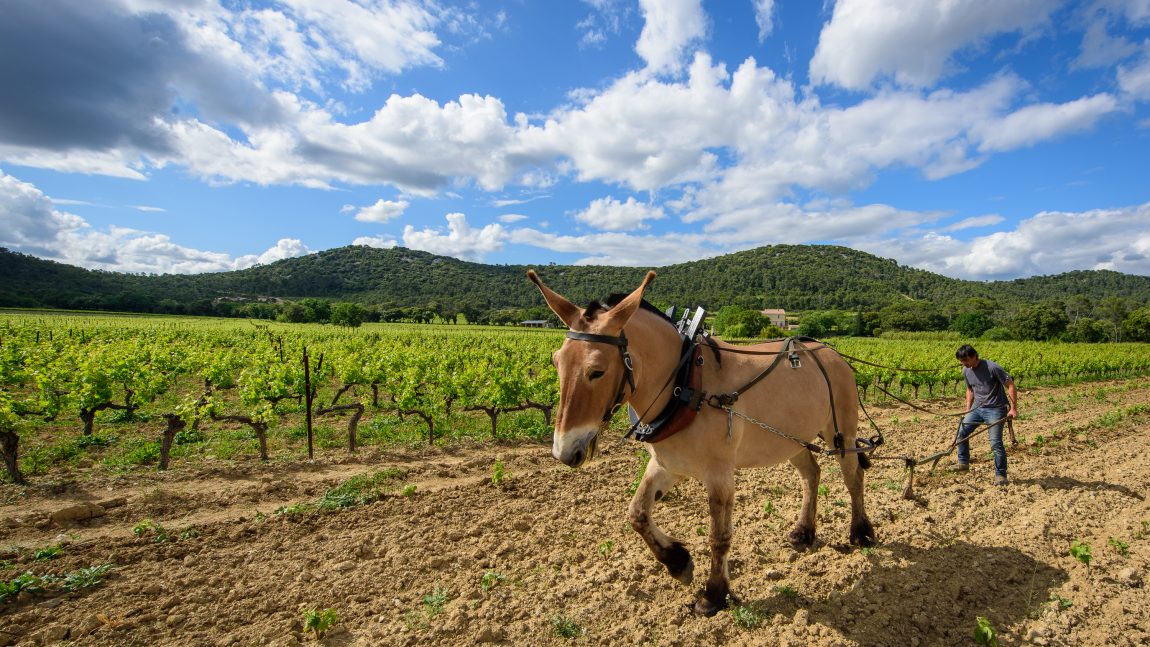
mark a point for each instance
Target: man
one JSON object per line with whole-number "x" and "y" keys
{"x": 987, "y": 388}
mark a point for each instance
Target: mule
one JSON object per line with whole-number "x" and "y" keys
{"x": 778, "y": 418}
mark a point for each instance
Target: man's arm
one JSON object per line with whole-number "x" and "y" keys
{"x": 970, "y": 396}
{"x": 1013, "y": 393}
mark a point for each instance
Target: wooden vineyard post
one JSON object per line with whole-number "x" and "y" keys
{"x": 307, "y": 394}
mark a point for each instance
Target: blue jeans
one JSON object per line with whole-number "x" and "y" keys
{"x": 970, "y": 422}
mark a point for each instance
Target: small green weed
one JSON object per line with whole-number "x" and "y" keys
{"x": 85, "y": 578}
{"x": 360, "y": 489}
{"x": 490, "y": 580}
{"x": 824, "y": 491}
{"x": 701, "y": 531}
{"x": 644, "y": 458}
{"x": 95, "y": 440}
{"x": 1063, "y": 603}
{"x": 25, "y": 582}
{"x": 409, "y": 490}
{"x": 357, "y": 490}
{"x": 1119, "y": 546}
{"x": 498, "y": 473}
{"x": 769, "y": 509}
{"x": 48, "y": 552}
{"x": 319, "y": 622}
{"x": 746, "y": 617}
{"x": 1145, "y": 531}
{"x": 433, "y": 602}
{"x": 140, "y": 452}
{"x": 984, "y": 633}
{"x": 1080, "y": 551}
{"x": 606, "y": 546}
{"x": 787, "y": 591}
{"x": 189, "y": 437}
{"x": 149, "y": 527}
{"x": 1108, "y": 420}
{"x": 565, "y": 627}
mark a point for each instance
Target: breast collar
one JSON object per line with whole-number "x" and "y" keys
{"x": 686, "y": 398}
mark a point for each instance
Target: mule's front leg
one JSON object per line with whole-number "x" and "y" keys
{"x": 656, "y": 483}
{"x": 717, "y": 594}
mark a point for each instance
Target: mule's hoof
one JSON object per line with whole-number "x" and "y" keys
{"x": 708, "y": 604}
{"x": 862, "y": 534}
{"x": 801, "y": 537}
{"x": 680, "y": 564}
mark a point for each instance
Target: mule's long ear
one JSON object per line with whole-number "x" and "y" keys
{"x": 618, "y": 316}
{"x": 568, "y": 312}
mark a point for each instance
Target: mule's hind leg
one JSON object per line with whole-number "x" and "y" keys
{"x": 657, "y": 482}
{"x": 804, "y": 533}
{"x": 862, "y": 532}
{"x": 716, "y": 596}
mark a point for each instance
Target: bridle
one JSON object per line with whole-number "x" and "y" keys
{"x": 628, "y": 378}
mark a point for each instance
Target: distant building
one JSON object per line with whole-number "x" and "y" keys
{"x": 778, "y": 317}
{"x": 536, "y": 323}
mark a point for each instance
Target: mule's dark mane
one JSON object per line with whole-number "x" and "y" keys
{"x": 595, "y": 307}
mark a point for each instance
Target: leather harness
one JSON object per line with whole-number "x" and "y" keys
{"x": 688, "y": 397}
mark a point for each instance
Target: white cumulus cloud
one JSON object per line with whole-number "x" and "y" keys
{"x": 382, "y": 211}
{"x": 30, "y": 223}
{"x": 461, "y": 241}
{"x": 284, "y": 248}
{"x": 913, "y": 42}
{"x": 671, "y": 27}
{"x": 611, "y": 215}
{"x": 381, "y": 242}
{"x": 616, "y": 248}
{"x": 1041, "y": 122}
{"x": 1046, "y": 243}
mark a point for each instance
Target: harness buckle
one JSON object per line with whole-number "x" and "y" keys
{"x": 795, "y": 361}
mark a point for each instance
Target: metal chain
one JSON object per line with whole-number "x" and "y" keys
{"x": 731, "y": 412}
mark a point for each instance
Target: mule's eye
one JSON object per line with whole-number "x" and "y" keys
{"x": 594, "y": 375}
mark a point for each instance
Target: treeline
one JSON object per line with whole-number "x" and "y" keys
{"x": 352, "y": 315}
{"x": 1077, "y": 319}
{"x": 798, "y": 278}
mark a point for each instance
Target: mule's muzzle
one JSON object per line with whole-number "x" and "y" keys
{"x": 577, "y": 452}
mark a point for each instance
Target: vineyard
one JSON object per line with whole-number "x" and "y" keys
{"x": 432, "y": 512}
{"x": 190, "y": 378}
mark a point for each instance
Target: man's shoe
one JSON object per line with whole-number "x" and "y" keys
{"x": 1000, "y": 480}
{"x": 959, "y": 467}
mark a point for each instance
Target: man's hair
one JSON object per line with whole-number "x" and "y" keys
{"x": 966, "y": 351}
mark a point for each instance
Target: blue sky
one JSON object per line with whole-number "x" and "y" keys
{"x": 980, "y": 139}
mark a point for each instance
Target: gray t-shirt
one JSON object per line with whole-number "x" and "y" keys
{"x": 987, "y": 380}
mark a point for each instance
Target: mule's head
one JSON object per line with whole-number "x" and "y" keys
{"x": 592, "y": 374}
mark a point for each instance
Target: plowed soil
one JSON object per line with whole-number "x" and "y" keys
{"x": 563, "y": 566}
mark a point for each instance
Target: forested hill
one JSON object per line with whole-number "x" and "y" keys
{"x": 795, "y": 277}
